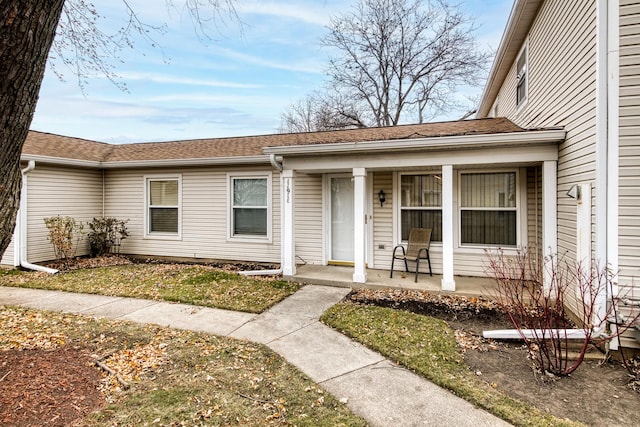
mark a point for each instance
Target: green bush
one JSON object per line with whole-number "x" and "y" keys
{"x": 106, "y": 233}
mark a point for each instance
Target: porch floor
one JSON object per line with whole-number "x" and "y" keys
{"x": 379, "y": 279}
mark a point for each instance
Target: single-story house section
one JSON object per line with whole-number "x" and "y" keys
{"x": 312, "y": 197}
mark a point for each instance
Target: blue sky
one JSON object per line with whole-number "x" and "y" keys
{"x": 237, "y": 83}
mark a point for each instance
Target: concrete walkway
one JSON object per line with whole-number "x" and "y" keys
{"x": 376, "y": 389}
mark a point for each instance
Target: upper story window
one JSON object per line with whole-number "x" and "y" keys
{"x": 250, "y": 206}
{"x": 421, "y": 204}
{"x": 522, "y": 76}
{"x": 488, "y": 209}
{"x": 163, "y": 202}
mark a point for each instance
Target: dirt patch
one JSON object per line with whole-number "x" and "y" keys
{"x": 47, "y": 387}
{"x": 597, "y": 393}
{"x": 117, "y": 259}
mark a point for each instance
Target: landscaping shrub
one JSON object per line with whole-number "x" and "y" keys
{"x": 64, "y": 234}
{"x": 105, "y": 234}
{"x": 540, "y": 313}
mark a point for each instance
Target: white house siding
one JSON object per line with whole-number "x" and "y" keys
{"x": 629, "y": 170}
{"x": 204, "y": 215}
{"x": 64, "y": 191}
{"x": 561, "y": 92}
{"x": 308, "y": 218}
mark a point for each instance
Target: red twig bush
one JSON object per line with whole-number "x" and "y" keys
{"x": 539, "y": 308}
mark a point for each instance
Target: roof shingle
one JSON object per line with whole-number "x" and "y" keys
{"x": 50, "y": 145}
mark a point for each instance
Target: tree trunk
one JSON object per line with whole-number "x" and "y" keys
{"x": 27, "y": 30}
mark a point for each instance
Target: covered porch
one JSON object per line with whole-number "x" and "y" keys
{"x": 351, "y": 203}
{"x": 341, "y": 276}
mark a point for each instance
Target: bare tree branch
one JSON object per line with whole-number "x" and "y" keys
{"x": 401, "y": 60}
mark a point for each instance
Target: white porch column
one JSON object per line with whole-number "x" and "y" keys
{"x": 287, "y": 220}
{"x": 359, "y": 225}
{"x": 448, "y": 282}
{"x": 549, "y": 214}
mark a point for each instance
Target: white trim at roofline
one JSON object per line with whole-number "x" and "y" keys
{"x": 520, "y": 19}
{"x": 207, "y": 161}
{"x": 431, "y": 143}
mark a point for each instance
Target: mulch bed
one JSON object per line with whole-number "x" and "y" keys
{"x": 598, "y": 393}
{"x": 47, "y": 387}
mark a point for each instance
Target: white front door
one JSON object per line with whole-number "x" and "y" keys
{"x": 341, "y": 218}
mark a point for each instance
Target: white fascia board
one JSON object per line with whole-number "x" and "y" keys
{"x": 214, "y": 161}
{"x": 61, "y": 161}
{"x": 432, "y": 143}
{"x": 506, "y": 54}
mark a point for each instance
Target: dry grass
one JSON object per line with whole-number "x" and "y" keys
{"x": 192, "y": 284}
{"x": 179, "y": 378}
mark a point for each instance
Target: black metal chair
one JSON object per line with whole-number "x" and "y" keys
{"x": 417, "y": 249}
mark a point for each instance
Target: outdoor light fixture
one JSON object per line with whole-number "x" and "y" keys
{"x": 574, "y": 192}
{"x": 381, "y": 197}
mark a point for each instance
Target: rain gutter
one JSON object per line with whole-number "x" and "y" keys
{"x": 22, "y": 226}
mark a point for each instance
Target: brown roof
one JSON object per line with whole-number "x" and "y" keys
{"x": 44, "y": 144}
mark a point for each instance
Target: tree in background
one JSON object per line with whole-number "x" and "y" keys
{"x": 28, "y": 30}
{"x": 393, "y": 61}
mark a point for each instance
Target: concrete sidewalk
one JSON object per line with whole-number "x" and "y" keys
{"x": 382, "y": 392}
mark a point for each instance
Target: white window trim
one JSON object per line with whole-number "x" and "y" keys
{"x": 397, "y": 205}
{"x": 523, "y": 51}
{"x": 521, "y": 206}
{"x": 249, "y": 239}
{"x": 155, "y": 234}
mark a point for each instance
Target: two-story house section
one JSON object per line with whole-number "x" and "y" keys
{"x": 577, "y": 65}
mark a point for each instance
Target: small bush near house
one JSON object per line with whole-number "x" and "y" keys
{"x": 106, "y": 233}
{"x": 540, "y": 313}
{"x": 64, "y": 234}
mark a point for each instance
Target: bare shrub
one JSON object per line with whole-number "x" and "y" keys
{"x": 64, "y": 234}
{"x": 540, "y": 313}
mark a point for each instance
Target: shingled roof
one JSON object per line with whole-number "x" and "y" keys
{"x": 56, "y": 146}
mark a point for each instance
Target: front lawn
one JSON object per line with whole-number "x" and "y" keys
{"x": 191, "y": 284}
{"x": 159, "y": 376}
{"x": 428, "y": 347}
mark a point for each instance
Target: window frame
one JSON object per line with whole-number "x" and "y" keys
{"x": 524, "y": 52}
{"x": 161, "y": 235}
{"x": 231, "y": 177}
{"x": 397, "y": 220}
{"x": 518, "y": 209}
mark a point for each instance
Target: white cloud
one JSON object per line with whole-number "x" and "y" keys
{"x": 316, "y": 13}
{"x": 168, "y": 79}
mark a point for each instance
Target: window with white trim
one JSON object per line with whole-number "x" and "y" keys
{"x": 488, "y": 209}
{"x": 250, "y": 206}
{"x": 163, "y": 205}
{"x": 421, "y": 204}
{"x": 521, "y": 77}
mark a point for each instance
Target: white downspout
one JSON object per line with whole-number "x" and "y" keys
{"x": 22, "y": 225}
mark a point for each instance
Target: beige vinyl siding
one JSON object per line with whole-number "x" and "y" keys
{"x": 382, "y": 220}
{"x": 63, "y": 191}
{"x": 629, "y": 170}
{"x": 629, "y": 151}
{"x": 8, "y": 258}
{"x": 534, "y": 208}
{"x": 561, "y": 73}
{"x": 308, "y": 219}
{"x": 204, "y": 212}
